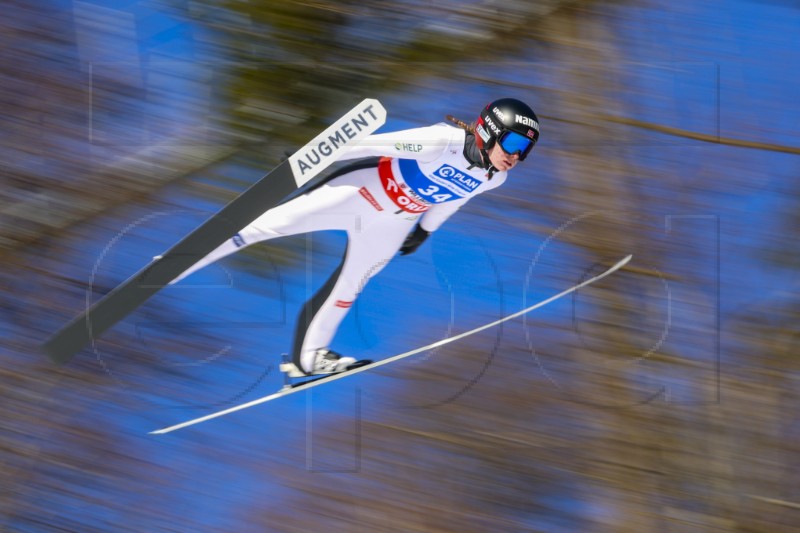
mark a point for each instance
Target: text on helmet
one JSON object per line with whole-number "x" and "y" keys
{"x": 527, "y": 121}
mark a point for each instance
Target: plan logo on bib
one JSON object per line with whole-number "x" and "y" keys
{"x": 457, "y": 181}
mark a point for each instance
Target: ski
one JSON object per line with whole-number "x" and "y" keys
{"x": 268, "y": 192}
{"x": 305, "y": 385}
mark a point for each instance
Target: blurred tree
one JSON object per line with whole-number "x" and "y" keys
{"x": 296, "y": 63}
{"x": 761, "y": 385}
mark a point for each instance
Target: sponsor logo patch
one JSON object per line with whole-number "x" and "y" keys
{"x": 371, "y": 199}
{"x": 456, "y": 180}
{"x": 480, "y": 130}
{"x": 408, "y": 147}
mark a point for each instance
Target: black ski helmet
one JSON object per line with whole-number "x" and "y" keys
{"x": 507, "y": 115}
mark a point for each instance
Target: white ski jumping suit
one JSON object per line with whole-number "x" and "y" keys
{"x": 418, "y": 174}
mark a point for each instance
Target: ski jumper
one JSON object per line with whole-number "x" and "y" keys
{"x": 415, "y": 175}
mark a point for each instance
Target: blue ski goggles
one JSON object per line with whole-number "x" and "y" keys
{"x": 514, "y": 143}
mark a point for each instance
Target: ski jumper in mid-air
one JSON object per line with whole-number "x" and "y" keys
{"x": 405, "y": 185}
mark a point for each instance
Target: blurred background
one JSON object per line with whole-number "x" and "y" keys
{"x": 664, "y": 398}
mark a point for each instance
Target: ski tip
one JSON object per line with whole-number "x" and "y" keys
{"x": 619, "y": 264}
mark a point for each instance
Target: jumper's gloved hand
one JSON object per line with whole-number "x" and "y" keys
{"x": 414, "y": 239}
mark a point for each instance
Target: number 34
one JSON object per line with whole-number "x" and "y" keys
{"x": 431, "y": 191}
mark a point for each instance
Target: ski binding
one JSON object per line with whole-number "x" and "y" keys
{"x": 290, "y": 371}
